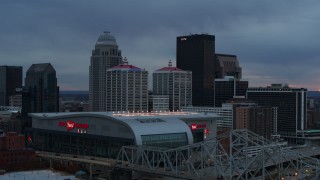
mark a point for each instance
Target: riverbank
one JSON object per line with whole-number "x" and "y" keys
{"x": 38, "y": 175}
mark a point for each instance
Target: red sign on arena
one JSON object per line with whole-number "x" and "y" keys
{"x": 198, "y": 126}
{"x": 70, "y": 125}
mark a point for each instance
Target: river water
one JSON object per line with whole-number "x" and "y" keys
{"x": 37, "y": 175}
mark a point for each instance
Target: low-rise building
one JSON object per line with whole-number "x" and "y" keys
{"x": 13, "y": 150}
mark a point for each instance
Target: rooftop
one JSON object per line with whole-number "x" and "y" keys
{"x": 125, "y": 66}
{"x": 106, "y": 39}
{"x": 39, "y": 67}
{"x": 169, "y": 68}
{"x": 127, "y": 115}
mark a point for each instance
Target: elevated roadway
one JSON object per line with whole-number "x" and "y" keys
{"x": 209, "y": 159}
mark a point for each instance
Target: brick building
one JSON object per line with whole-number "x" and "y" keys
{"x": 12, "y": 149}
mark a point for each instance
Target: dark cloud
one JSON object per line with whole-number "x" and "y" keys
{"x": 275, "y": 41}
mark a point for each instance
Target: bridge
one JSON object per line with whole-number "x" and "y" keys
{"x": 90, "y": 160}
{"x": 226, "y": 157}
{"x": 209, "y": 159}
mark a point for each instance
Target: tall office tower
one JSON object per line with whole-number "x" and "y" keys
{"x": 126, "y": 88}
{"x": 291, "y": 103}
{"x": 10, "y": 80}
{"x": 227, "y": 65}
{"x": 174, "y": 82}
{"x": 228, "y": 87}
{"x": 105, "y": 56}
{"x": 41, "y": 93}
{"x": 196, "y": 53}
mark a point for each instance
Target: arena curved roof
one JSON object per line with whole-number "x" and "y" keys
{"x": 139, "y": 123}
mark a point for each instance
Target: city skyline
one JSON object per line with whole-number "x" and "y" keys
{"x": 275, "y": 42}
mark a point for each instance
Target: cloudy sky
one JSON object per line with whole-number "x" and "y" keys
{"x": 275, "y": 41}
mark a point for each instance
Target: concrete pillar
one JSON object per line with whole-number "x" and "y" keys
{"x": 90, "y": 170}
{"x": 109, "y": 174}
{"x": 136, "y": 175}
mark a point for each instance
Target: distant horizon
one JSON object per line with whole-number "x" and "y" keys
{"x": 73, "y": 90}
{"x": 148, "y": 90}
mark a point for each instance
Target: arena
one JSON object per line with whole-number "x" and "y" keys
{"x": 104, "y": 133}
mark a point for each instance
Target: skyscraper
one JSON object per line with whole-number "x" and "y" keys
{"x": 291, "y": 103}
{"x": 228, "y": 87}
{"x": 175, "y": 83}
{"x": 227, "y": 65}
{"x": 41, "y": 93}
{"x": 196, "y": 53}
{"x": 126, "y": 88}
{"x": 10, "y": 80}
{"x": 105, "y": 56}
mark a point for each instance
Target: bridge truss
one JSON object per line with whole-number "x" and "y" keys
{"x": 238, "y": 154}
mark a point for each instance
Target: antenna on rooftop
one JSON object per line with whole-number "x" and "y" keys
{"x": 125, "y": 61}
{"x": 170, "y": 63}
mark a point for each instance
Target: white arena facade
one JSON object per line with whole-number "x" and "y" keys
{"x": 104, "y": 133}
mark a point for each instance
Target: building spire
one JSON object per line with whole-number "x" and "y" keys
{"x": 125, "y": 61}
{"x": 170, "y": 63}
